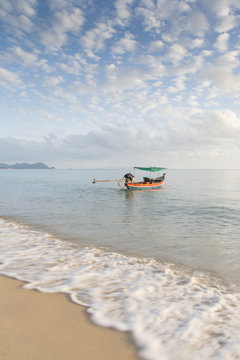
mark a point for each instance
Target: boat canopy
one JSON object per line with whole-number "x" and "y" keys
{"x": 153, "y": 169}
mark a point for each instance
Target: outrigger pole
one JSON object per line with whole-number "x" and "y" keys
{"x": 94, "y": 181}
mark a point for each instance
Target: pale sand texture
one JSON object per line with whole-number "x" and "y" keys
{"x": 41, "y": 326}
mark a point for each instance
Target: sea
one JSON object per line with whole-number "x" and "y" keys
{"x": 162, "y": 265}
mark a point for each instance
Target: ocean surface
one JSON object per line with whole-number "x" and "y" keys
{"x": 163, "y": 265}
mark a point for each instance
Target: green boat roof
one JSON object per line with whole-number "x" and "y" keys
{"x": 153, "y": 169}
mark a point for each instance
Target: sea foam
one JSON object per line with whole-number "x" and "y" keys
{"x": 171, "y": 312}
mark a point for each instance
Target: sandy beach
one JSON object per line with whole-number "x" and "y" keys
{"x": 43, "y": 326}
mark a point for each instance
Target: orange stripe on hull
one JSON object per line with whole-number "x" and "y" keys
{"x": 142, "y": 186}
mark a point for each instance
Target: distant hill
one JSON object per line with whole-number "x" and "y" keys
{"x": 38, "y": 165}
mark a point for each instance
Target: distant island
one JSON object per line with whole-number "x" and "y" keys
{"x": 38, "y": 165}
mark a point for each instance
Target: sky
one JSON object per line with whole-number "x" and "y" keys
{"x": 111, "y": 84}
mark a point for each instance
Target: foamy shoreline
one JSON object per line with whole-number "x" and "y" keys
{"x": 39, "y": 326}
{"x": 168, "y": 309}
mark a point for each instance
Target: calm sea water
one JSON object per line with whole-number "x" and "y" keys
{"x": 163, "y": 265}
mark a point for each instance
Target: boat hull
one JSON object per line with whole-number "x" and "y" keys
{"x": 144, "y": 186}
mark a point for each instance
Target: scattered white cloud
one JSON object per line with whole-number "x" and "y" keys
{"x": 222, "y": 14}
{"x": 125, "y": 44}
{"x": 21, "y": 22}
{"x": 229, "y": 61}
{"x": 197, "y": 23}
{"x": 63, "y": 22}
{"x": 17, "y": 16}
{"x": 68, "y": 21}
{"x": 149, "y": 18}
{"x": 219, "y": 124}
{"x": 226, "y": 23}
{"x": 6, "y": 7}
{"x": 172, "y": 89}
{"x": 94, "y": 40}
{"x": 196, "y": 43}
{"x": 30, "y": 60}
{"x": 123, "y": 10}
{"x": 176, "y": 53}
{"x": 223, "y": 73}
{"x": 53, "y": 81}
{"x": 9, "y": 79}
{"x": 156, "y": 46}
{"x": 160, "y": 75}
{"x": 222, "y": 42}
{"x": 25, "y": 7}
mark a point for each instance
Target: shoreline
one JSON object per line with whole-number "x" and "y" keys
{"x": 46, "y": 326}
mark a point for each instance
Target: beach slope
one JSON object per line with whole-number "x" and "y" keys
{"x": 43, "y": 326}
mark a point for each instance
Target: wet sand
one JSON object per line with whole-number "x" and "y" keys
{"x": 43, "y": 326}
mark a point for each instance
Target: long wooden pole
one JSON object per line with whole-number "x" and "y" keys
{"x": 94, "y": 181}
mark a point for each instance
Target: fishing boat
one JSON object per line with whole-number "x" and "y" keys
{"x": 148, "y": 183}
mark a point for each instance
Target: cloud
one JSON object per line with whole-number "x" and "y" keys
{"x": 197, "y": 43}
{"x": 222, "y": 42}
{"x": 53, "y": 81}
{"x": 111, "y": 145}
{"x": 197, "y": 23}
{"x": 224, "y": 14}
{"x": 20, "y": 22}
{"x": 229, "y": 60}
{"x": 225, "y": 81}
{"x": 53, "y": 41}
{"x": 218, "y": 7}
{"x": 25, "y": 7}
{"x": 205, "y": 132}
{"x": 155, "y": 46}
{"x": 29, "y": 59}
{"x": 134, "y": 76}
{"x": 17, "y": 16}
{"x": 166, "y": 18}
{"x": 64, "y": 22}
{"x": 226, "y": 23}
{"x": 123, "y": 78}
{"x": 223, "y": 125}
{"x": 94, "y": 40}
{"x": 22, "y": 59}
{"x": 123, "y": 11}
{"x": 10, "y": 80}
{"x": 5, "y": 7}
{"x": 57, "y": 5}
{"x": 150, "y": 18}
{"x": 176, "y": 53}
{"x": 222, "y": 72}
{"x": 68, "y": 21}
{"x": 125, "y": 44}
{"x": 153, "y": 65}
{"x": 155, "y": 68}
